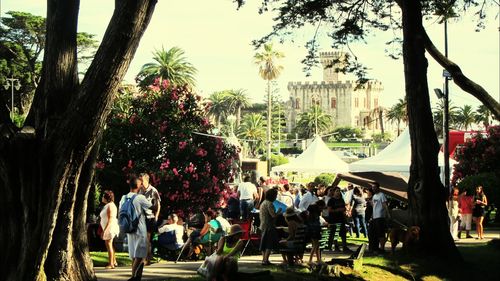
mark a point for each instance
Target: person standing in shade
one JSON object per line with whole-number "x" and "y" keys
{"x": 358, "y": 204}
{"x": 309, "y": 198}
{"x": 453, "y": 213}
{"x": 269, "y": 236}
{"x": 380, "y": 213}
{"x": 286, "y": 197}
{"x": 480, "y": 202}
{"x": 466, "y": 204}
{"x": 153, "y": 197}
{"x": 137, "y": 241}
{"x": 247, "y": 193}
{"x": 336, "y": 215}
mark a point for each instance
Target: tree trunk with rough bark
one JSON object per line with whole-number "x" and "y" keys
{"x": 426, "y": 194}
{"x": 46, "y": 168}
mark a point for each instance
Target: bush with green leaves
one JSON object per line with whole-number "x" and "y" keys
{"x": 157, "y": 132}
{"x": 381, "y": 138}
{"x": 347, "y": 132}
{"x": 325, "y": 179}
{"x": 276, "y": 160}
{"x": 490, "y": 183}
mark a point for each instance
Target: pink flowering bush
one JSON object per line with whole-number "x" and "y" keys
{"x": 154, "y": 132}
{"x": 479, "y": 164}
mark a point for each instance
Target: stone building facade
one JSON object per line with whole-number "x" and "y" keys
{"x": 348, "y": 105}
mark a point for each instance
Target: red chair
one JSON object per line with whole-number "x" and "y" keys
{"x": 248, "y": 235}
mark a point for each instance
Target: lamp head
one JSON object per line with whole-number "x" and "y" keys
{"x": 439, "y": 93}
{"x": 18, "y": 85}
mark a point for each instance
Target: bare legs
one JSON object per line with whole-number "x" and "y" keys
{"x": 111, "y": 253}
{"x": 135, "y": 266}
{"x": 315, "y": 251}
{"x": 265, "y": 257}
{"x": 479, "y": 227}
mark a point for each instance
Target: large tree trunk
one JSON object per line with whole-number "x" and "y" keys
{"x": 46, "y": 169}
{"x": 426, "y": 194}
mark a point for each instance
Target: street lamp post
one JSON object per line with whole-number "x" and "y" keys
{"x": 446, "y": 118}
{"x": 17, "y": 86}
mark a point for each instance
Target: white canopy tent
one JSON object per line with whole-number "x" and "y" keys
{"x": 396, "y": 157}
{"x": 317, "y": 158}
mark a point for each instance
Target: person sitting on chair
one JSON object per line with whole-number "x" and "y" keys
{"x": 171, "y": 233}
{"x": 223, "y": 264}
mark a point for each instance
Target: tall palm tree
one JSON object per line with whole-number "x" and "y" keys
{"x": 171, "y": 65}
{"x": 398, "y": 113}
{"x": 269, "y": 69}
{"x": 378, "y": 113}
{"x": 219, "y": 106}
{"x": 466, "y": 116}
{"x": 253, "y": 129}
{"x": 437, "y": 115}
{"x": 314, "y": 121}
{"x": 483, "y": 115}
{"x": 237, "y": 99}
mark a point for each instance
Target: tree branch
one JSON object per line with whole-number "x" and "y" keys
{"x": 460, "y": 79}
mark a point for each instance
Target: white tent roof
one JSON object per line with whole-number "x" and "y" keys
{"x": 317, "y": 158}
{"x": 396, "y": 157}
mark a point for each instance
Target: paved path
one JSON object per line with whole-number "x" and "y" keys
{"x": 165, "y": 269}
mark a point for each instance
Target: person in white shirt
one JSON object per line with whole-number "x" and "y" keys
{"x": 380, "y": 213}
{"x": 137, "y": 241}
{"x": 286, "y": 197}
{"x": 247, "y": 193}
{"x": 173, "y": 227}
{"x": 309, "y": 198}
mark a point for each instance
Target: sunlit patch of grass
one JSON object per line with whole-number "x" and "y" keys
{"x": 101, "y": 259}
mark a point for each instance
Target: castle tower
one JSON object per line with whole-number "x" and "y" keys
{"x": 331, "y": 61}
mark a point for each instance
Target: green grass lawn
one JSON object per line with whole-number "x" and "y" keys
{"x": 345, "y": 144}
{"x": 101, "y": 259}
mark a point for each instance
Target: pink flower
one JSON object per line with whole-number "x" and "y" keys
{"x": 182, "y": 145}
{"x": 130, "y": 164}
{"x": 201, "y": 152}
{"x": 173, "y": 95}
{"x": 133, "y": 118}
{"x": 154, "y": 88}
{"x": 165, "y": 83}
{"x": 176, "y": 173}
{"x": 205, "y": 122}
{"x": 185, "y": 184}
{"x": 165, "y": 165}
{"x": 215, "y": 179}
{"x": 100, "y": 165}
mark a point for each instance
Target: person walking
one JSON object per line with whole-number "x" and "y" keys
{"x": 358, "y": 204}
{"x": 480, "y": 202}
{"x": 137, "y": 239}
{"x": 247, "y": 193}
{"x": 269, "y": 236}
{"x": 109, "y": 225}
{"x": 379, "y": 216}
{"x": 465, "y": 204}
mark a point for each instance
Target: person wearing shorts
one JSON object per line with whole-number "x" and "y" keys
{"x": 152, "y": 195}
{"x": 466, "y": 205}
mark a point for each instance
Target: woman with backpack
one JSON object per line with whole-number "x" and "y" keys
{"x": 109, "y": 225}
{"x": 132, "y": 220}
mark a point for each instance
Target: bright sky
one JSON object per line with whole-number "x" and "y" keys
{"x": 216, "y": 38}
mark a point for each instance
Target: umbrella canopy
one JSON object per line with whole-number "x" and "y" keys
{"x": 317, "y": 158}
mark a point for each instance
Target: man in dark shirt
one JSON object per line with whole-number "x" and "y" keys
{"x": 336, "y": 215}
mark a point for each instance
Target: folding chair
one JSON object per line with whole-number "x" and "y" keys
{"x": 248, "y": 234}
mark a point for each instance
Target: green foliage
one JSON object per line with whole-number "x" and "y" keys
{"x": 276, "y": 160}
{"x": 381, "y": 138}
{"x": 479, "y": 158}
{"x": 490, "y": 183}
{"x": 325, "y": 179}
{"x": 155, "y": 133}
{"x": 253, "y": 128}
{"x": 267, "y": 60}
{"x": 22, "y": 41}
{"x": 18, "y": 119}
{"x": 306, "y": 125}
{"x": 398, "y": 113}
{"x": 169, "y": 65}
{"x": 347, "y": 132}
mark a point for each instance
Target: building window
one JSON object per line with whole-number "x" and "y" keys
{"x": 364, "y": 102}
{"x": 297, "y": 103}
{"x": 356, "y": 103}
{"x": 333, "y": 103}
{"x": 315, "y": 101}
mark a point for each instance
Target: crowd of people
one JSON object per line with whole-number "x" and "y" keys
{"x": 280, "y": 213}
